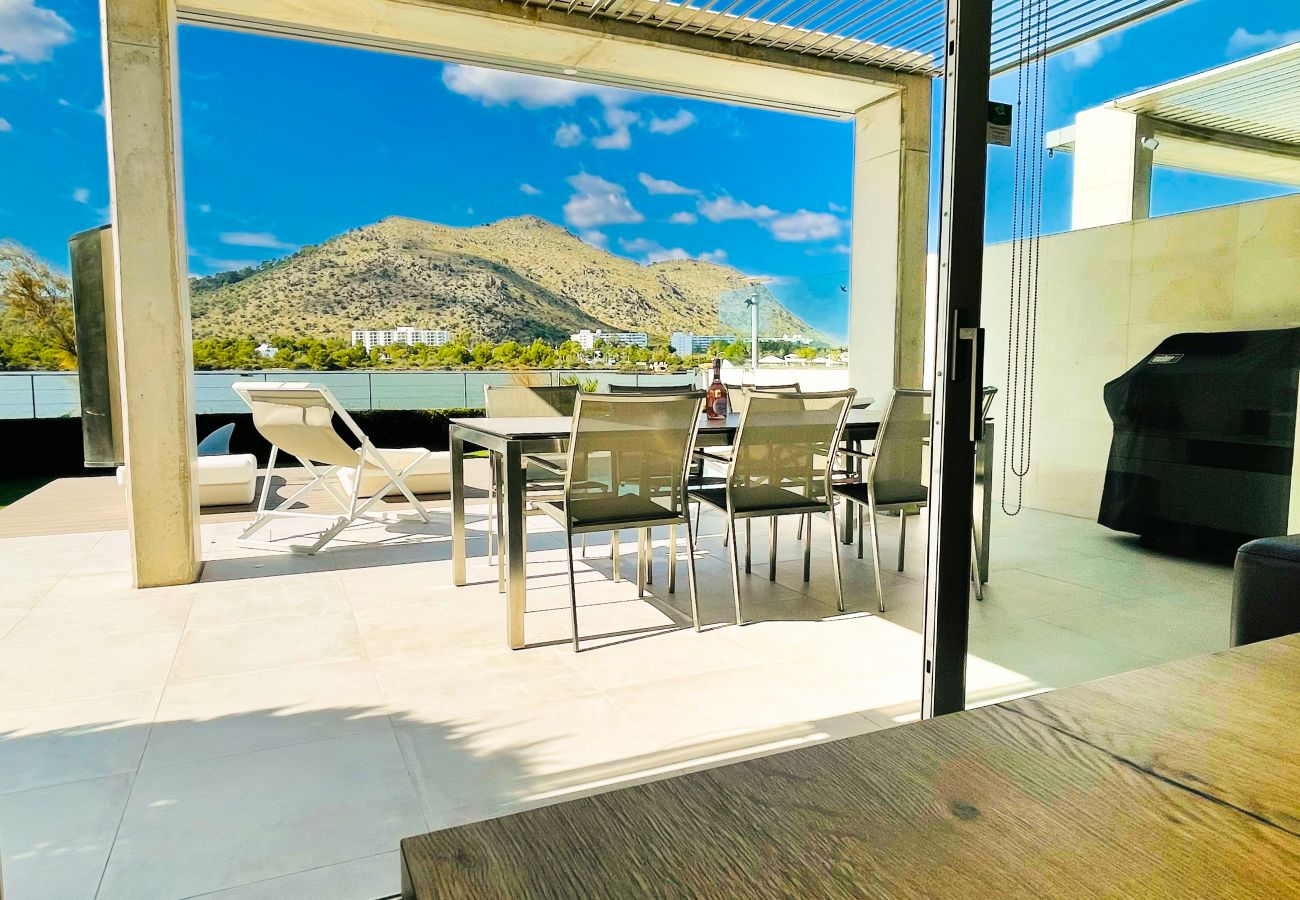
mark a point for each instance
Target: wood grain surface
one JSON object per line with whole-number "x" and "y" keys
{"x": 988, "y": 803}
{"x": 1226, "y": 724}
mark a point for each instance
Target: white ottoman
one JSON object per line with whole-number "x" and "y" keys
{"x": 430, "y": 476}
{"x": 229, "y": 480}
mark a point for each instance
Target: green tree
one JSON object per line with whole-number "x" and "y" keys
{"x": 37, "y": 306}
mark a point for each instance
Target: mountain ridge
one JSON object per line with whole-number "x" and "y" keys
{"x": 520, "y": 278}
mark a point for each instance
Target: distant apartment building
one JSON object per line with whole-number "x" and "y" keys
{"x": 684, "y": 343}
{"x": 586, "y": 338}
{"x": 382, "y": 337}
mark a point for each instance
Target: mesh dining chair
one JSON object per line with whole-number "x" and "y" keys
{"x": 626, "y": 469}
{"x": 893, "y": 481}
{"x": 781, "y": 465}
{"x": 543, "y": 472}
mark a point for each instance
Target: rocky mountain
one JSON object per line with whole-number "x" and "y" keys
{"x": 518, "y": 278}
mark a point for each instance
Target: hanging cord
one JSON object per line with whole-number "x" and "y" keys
{"x": 1026, "y": 232}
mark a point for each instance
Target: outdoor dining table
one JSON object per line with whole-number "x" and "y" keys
{"x": 1181, "y": 780}
{"x": 515, "y": 438}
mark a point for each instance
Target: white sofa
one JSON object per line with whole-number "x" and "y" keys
{"x": 430, "y": 476}
{"x": 229, "y": 480}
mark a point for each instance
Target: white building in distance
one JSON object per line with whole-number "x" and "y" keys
{"x": 684, "y": 343}
{"x": 586, "y": 338}
{"x": 382, "y": 337}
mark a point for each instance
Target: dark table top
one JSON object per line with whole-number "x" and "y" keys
{"x": 1175, "y": 781}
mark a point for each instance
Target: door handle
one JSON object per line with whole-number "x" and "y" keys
{"x": 974, "y": 376}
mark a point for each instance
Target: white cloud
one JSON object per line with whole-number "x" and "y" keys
{"x": 620, "y": 134}
{"x": 568, "y": 135}
{"x": 679, "y": 121}
{"x": 526, "y": 188}
{"x": 683, "y": 218}
{"x": 595, "y": 238}
{"x": 495, "y": 87}
{"x": 1085, "y": 56}
{"x": 63, "y": 101}
{"x": 726, "y": 209}
{"x": 254, "y": 239}
{"x": 1243, "y": 40}
{"x": 596, "y": 202}
{"x": 29, "y": 33}
{"x": 205, "y": 208}
{"x": 214, "y": 264}
{"x": 5, "y": 126}
{"x": 81, "y": 195}
{"x": 837, "y": 207}
{"x": 805, "y": 226}
{"x": 652, "y": 251}
{"x": 714, "y": 256}
{"x": 663, "y": 185}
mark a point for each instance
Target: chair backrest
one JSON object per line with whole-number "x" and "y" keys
{"x": 740, "y": 395}
{"x": 625, "y": 444}
{"x": 989, "y": 393}
{"x": 898, "y": 449}
{"x": 654, "y": 389}
{"x": 520, "y": 400}
{"x": 788, "y": 440}
{"x": 298, "y": 418}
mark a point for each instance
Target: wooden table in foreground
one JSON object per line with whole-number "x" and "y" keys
{"x": 1181, "y": 780}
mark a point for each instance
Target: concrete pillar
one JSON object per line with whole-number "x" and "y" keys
{"x": 142, "y": 106}
{"x": 891, "y": 204}
{"x": 1112, "y": 168}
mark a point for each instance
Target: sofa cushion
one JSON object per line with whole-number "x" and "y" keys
{"x": 432, "y": 475}
{"x": 1266, "y": 590}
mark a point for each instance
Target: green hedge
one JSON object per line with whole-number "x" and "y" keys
{"x": 52, "y": 447}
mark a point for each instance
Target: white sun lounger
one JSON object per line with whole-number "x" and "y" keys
{"x": 297, "y": 418}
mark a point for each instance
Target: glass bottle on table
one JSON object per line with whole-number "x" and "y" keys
{"x": 717, "y": 404}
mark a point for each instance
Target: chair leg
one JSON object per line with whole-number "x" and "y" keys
{"x": 735, "y": 567}
{"x": 492, "y": 508}
{"x": 649, "y": 555}
{"x": 499, "y": 525}
{"x": 806, "y": 519}
{"x": 860, "y": 524}
{"x": 573, "y": 590}
{"x": 875, "y": 550}
{"x": 976, "y": 574}
{"x": 584, "y": 545}
{"x": 798, "y": 535}
{"x": 640, "y": 561}
{"x": 615, "y": 557}
{"x": 771, "y": 551}
{"x": 835, "y": 558}
{"x": 672, "y": 557}
{"x": 690, "y": 572}
{"x": 902, "y": 537}
{"x": 749, "y": 544}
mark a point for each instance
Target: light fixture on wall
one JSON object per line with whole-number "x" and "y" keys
{"x": 570, "y": 71}
{"x": 1150, "y": 143}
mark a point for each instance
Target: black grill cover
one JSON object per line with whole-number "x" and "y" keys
{"x": 1204, "y": 436}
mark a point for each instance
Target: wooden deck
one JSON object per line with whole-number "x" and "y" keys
{"x": 97, "y": 503}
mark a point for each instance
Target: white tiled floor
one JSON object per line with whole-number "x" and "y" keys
{"x": 275, "y": 730}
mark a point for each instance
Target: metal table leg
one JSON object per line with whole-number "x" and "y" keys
{"x": 516, "y": 587}
{"x": 458, "y": 511}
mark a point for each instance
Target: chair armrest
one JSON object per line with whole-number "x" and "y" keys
{"x": 856, "y": 454}
{"x": 543, "y": 463}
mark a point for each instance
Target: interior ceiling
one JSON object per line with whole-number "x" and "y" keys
{"x": 904, "y": 35}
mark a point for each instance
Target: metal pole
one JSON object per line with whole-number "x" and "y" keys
{"x": 753, "y": 331}
{"x": 958, "y": 351}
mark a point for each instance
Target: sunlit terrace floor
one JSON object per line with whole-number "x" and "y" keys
{"x": 274, "y": 730}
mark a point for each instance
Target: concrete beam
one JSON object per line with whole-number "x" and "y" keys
{"x": 1112, "y": 168}
{"x": 598, "y": 49}
{"x": 141, "y": 108}
{"x": 891, "y": 193}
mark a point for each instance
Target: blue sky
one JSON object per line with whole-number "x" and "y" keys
{"x": 288, "y": 143}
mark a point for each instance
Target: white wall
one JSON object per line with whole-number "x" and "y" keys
{"x": 1108, "y": 296}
